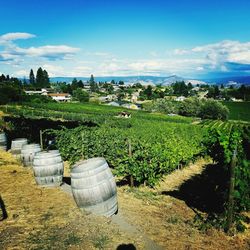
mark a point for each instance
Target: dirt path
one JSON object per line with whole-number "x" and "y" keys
{"x": 47, "y": 218}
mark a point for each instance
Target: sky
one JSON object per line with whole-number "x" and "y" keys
{"x": 188, "y": 38}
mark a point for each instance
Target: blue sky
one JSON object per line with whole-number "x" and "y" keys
{"x": 78, "y": 38}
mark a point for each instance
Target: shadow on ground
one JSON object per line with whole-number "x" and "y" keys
{"x": 3, "y": 212}
{"x": 67, "y": 180}
{"x": 206, "y": 191}
{"x": 126, "y": 247}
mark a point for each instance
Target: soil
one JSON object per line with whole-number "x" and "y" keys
{"x": 34, "y": 217}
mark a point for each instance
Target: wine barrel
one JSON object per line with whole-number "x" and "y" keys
{"x": 3, "y": 141}
{"x": 48, "y": 168}
{"x": 16, "y": 146}
{"x": 28, "y": 153}
{"x": 93, "y": 186}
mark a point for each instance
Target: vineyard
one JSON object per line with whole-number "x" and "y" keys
{"x": 142, "y": 148}
{"x": 147, "y": 146}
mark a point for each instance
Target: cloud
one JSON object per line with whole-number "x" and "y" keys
{"x": 6, "y": 57}
{"x": 11, "y": 51}
{"x": 48, "y": 51}
{"x": 220, "y": 56}
{"x": 153, "y": 53}
{"x": 180, "y": 52}
{"x": 15, "y": 36}
{"x": 21, "y": 73}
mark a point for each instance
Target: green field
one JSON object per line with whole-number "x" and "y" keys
{"x": 238, "y": 110}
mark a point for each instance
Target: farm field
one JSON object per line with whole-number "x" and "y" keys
{"x": 238, "y": 110}
{"x": 40, "y": 218}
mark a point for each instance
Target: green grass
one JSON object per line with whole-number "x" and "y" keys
{"x": 238, "y": 110}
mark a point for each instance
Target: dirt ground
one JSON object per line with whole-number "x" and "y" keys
{"x": 48, "y": 218}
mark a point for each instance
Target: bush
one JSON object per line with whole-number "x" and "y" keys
{"x": 164, "y": 106}
{"x": 9, "y": 94}
{"x": 81, "y": 95}
{"x": 190, "y": 107}
{"x": 37, "y": 99}
{"x": 205, "y": 109}
{"x": 212, "y": 109}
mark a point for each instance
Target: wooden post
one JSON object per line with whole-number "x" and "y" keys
{"x": 41, "y": 139}
{"x": 130, "y": 155}
{"x": 230, "y": 207}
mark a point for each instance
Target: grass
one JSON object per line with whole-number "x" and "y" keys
{"x": 238, "y": 110}
{"x": 100, "y": 241}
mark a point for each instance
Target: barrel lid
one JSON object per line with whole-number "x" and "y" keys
{"x": 46, "y": 154}
{"x": 86, "y": 165}
{"x": 32, "y": 145}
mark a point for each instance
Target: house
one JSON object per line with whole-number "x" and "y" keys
{"x": 130, "y": 106}
{"x": 107, "y": 98}
{"x": 60, "y": 97}
{"x": 33, "y": 92}
{"x": 180, "y": 98}
{"x": 43, "y": 91}
{"x": 114, "y": 104}
{"x": 134, "y": 97}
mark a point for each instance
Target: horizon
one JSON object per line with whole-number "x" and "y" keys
{"x": 133, "y": 38}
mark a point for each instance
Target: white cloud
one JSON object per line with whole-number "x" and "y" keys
{"x": 180, "y": 52}
{"x": 21, "y": 73}
{"x": 49, "y": 51}
{"x": 199, "y": 68}
{"x": 153, "y": 53}
{"x": 226, "y": 51}
{"x": 12, "y": 51}
{"x": 15, "y": 36}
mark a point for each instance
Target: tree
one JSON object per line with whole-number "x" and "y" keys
{"x": 39, "y": 78}
{"x": 46, "y": 83}
{"x": 180, "y": 88}
{"x": 212, "y": 109}
{"x": 80, "y": 95}
{"x": 42, "y": 79}
{"x": 74, "y": 84}
{"x": 93, "y": 84}
{"x": 32, "y": 77}
{"x": 189, "y": 86}
{"x": 148, "y": 91}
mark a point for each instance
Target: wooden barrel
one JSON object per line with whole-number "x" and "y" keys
{"x": 93, "y": 186}
{"x": 16, "y": 146}
{"x": 28, "y": 153}
{"x": 48, "y": 168}
{"x": 3, "y": 141}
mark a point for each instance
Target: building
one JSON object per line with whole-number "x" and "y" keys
{"x": 130, "y": 106}
{"x": 180, "y": 98}
{"x": 60, "y": 97}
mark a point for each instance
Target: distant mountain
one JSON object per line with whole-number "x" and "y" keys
{"x": 144, "y": 80}
{"x": 161, "y": 80}
{"x": 228, "y": 80}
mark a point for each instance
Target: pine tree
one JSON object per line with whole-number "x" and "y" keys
{"x": 93, "y": 84}
{"x": 39, "y": 78}
{"x": 46, "y": 83}
{"x": 32, "y": 77}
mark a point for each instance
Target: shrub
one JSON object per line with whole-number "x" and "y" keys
{"x": 212, "y": 109}
{"x": 80, "y": 95}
